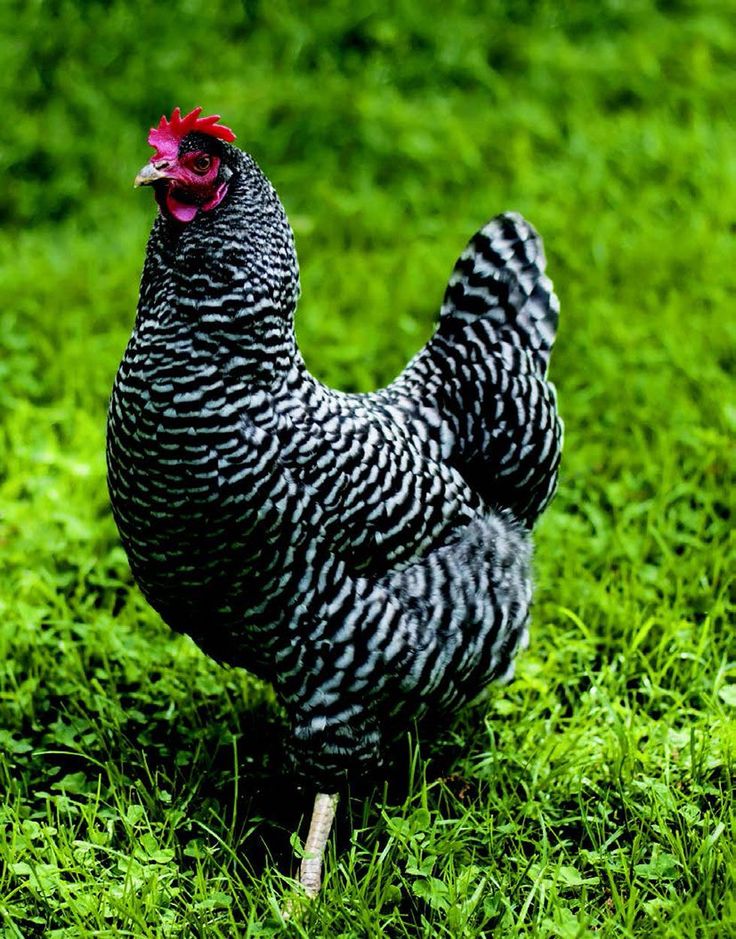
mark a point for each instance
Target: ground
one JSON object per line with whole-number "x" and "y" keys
{"x": 140, "y": 791}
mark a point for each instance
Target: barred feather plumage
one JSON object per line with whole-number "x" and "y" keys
{"x": 368, "y": 554}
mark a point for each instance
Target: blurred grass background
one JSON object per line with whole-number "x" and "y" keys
{"x": 390, "y": 136}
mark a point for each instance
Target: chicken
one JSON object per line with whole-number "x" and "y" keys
{"x": 368, "y": 554}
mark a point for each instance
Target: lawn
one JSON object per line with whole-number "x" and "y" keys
{"x": 141, "y": 791}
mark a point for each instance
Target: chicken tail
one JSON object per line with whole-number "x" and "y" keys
{"x": 500, "y": 278}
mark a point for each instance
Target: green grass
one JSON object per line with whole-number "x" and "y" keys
{"x": 140, "y": 785}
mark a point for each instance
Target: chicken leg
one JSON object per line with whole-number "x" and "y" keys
{"x": 323, "y": 814}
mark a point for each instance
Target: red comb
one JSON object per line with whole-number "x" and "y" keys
{"x": 169, "y": 133}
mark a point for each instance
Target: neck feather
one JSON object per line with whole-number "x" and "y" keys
{"x": 230, "y": 278}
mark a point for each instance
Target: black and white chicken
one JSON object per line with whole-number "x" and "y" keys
{"x": 368, "y": 554}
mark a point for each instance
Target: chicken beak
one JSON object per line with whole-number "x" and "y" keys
{"x": 149, "y": 174}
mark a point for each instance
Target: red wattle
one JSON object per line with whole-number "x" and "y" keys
{"x": 186, "y": 211}
{"x": 182, "y": 211}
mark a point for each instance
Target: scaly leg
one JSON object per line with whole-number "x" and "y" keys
{"x": 310, "y": 873}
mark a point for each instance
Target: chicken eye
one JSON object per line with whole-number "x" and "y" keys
{"x": 202, "y": 164}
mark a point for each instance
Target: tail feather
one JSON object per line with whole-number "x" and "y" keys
{"x": 500, "y": 278}
{"x": 484, "y": 372}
